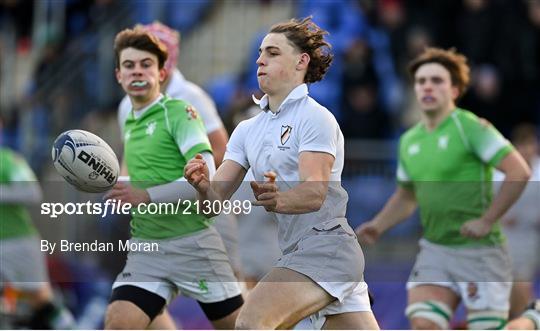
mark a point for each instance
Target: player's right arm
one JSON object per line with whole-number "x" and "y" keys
{"x": 399, "y": 207}
{"x": 228, "y": 176}
{"x": 225, "y": 182}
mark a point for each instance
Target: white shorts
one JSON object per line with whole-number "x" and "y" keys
{"x": 195, "y": 265}
{"x": 357, "y": 300}
{"x": 481, "y": 276}
{"x": 331, "y": 256}
{"x": 23, "y": 263}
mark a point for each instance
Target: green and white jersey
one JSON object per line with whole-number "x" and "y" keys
{"x": 157, "y": 146}
{"x": 14, "y": 218}
{"x": 450, "y": 170}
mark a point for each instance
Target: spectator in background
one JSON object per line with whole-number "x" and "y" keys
{"x": 361, "y": 111}
{"x": 484, "y": 96}
{"x": 477, "y": 30}
{"x": 518, "y": 59}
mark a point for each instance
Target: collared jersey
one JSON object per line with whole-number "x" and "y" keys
{"x": 273, "y": 141}
{"x": 157, "y": 146}
{"x": 450, "y": 170}
{"x": 14, "y": 218}
{"x": 181, "y": 88}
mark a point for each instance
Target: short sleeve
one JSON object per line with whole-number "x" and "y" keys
{"x": 486, "y": 142}
{"x": 318, "y": 133}
{"x": 20, "y": 171}
{"x": 123, "y": 112}
{"x": 235, "y": 147}
{"x": 402, "y": 176}
{"x": 187, "y": 129}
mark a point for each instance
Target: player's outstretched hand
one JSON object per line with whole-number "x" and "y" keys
{"x": 476, "y": 228}
{"x": 267, "y": 193}
{"x": 125, "y": 193}
{"x": 368, "y": 233}
{"x": 197, "y": 174}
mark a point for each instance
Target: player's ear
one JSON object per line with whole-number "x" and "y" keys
{"x": 455, "y": 92}
{"x": 162, "y": 75}
{"x": 118, "y": 77}
{"x": 303, "y": 61}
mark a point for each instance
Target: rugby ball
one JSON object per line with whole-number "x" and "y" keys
{"x": 85, "y": 160}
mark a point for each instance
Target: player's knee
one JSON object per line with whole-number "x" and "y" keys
{"x": 487, "y": 320}
{"x": 431, "y": 315}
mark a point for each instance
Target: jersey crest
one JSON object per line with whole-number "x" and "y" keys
{"x": 285, "y": 133}
{"x": 414, "y": 149}
{"x": 192, "y": 113}
{"x": 443, "y": 142}
{"x": 150, "y": 128}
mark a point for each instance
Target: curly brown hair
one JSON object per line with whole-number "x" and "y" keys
{"x": 454, "y": 62}
{"x": 308, "y": 37}
{"x": 142, "y": 40}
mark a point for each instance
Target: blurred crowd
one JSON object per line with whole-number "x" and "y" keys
{"x": 367, "y": 87}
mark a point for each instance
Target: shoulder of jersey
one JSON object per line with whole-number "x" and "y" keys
{"x": 250, "y": 121}
{"x": 317, "y": 112}
{"x": 466, "y": 115}
{"x": 171, "y": 102}
{"x": 411, "y": 132}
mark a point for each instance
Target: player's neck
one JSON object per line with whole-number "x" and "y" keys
{"x": 276, "y": 99}
{"x": 141, "y": 104}
{"x": 434, "y": 118}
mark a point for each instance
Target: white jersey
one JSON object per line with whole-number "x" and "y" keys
{"x": 180, "y": 88}
{"x": 271, "y": 141}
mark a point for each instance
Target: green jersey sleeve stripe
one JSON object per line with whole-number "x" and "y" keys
{"x": 493, "y": 149}
{"x": 199, "y": 148}
{"x": 501, "y": 154}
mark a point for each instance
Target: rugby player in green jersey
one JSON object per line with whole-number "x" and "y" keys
{"x": 22, "y": 263}
{"x": 445, "y": 168}
{"x": 160, "y": 135}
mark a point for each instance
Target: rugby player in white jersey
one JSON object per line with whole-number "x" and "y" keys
{"x": 299, "y": 143}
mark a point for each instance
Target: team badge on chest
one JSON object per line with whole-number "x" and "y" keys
{"x": 285, "y": 133}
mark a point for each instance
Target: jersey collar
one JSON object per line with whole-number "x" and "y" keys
{"x": 297, "y": 93}
{"x": 140, "y": 112}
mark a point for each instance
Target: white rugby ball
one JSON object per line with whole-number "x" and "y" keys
{"x": 85, "y": 160}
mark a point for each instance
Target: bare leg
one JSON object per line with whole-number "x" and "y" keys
{"x": 124, "y": 315}
{"x": 281, "y": 299}
{"x": 163, "y": 321}
{"x": 520, "y": 298}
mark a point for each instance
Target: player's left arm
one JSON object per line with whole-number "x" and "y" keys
{"x": 517, "y": 174}
{"x": 308, "y": 196}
